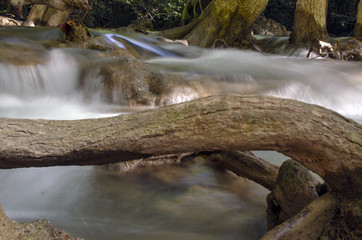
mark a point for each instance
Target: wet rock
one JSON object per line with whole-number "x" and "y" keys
{"x": 349, "y": 49}
{"x": 38, "y": 230}
{"x": 295, "y": 189}
{"x": 21, "y": 52}
{"x": 75, "y": 31}
{"x": 141, "y": 25}
{"x": 264, "y": 26}
{"x": 6, "y": 21}
{"x": 129, "y": 81}
{"x": 125, "y": 81}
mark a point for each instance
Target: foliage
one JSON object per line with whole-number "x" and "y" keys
{"x": 117, "y": 13}
{"x": 341, "y": 16}
{"x": 340, "y": 19}
{"x": 281, "y": 11}
{"x": 3, "y": 7}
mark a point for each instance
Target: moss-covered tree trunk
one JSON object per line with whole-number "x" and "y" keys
{"x": 310, "y": 21}
{"x": 226, "y": 20}
{"x": 358, "y": 27}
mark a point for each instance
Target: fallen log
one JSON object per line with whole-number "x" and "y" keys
{"x": 322, "y": 140}
{"x": 246, "y": 164}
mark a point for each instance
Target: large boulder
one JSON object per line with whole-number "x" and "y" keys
{"x": 295, "y": 189}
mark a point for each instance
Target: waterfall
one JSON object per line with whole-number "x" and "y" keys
{"x": 51, "y": 89}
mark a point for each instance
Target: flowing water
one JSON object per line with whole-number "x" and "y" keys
{"x": 192, "y": 200}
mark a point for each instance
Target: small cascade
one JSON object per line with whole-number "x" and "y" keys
{"x": 333, "y": 84}
{"x": 144, "y": 49}
{"x": 57, "y": 88}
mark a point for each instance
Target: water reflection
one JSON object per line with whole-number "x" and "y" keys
{"x": 187, "y": 201}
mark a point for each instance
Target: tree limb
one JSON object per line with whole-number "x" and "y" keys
{"x": 322, "y": 140}
{"x": 246, "y": 164}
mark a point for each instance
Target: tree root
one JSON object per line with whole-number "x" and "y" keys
{"x": 308, "y": 223}
{"x": 246, "y": 164}
{"x": 181, "y": 32}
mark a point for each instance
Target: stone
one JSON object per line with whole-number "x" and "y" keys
{"x": 264, "y": 26}
{"x": 295, "y": 189}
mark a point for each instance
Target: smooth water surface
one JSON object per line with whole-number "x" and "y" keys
{"x": 189, "y": 201}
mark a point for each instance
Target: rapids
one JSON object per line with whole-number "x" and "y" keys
{"x": 187, "y": 201}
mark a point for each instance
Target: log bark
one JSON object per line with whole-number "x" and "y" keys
{"x": 358, "y": 26}
{"x": 322, "y": 140}
{"x": 310, "y": 21}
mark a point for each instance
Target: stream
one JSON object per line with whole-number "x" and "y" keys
{"x": 192, "y": 200}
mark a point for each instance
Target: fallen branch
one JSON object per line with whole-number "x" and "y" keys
{"x": 322, "y": 140}
{"x": 246, "y": 164}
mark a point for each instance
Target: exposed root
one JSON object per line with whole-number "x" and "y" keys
{"x": 214, "y": 45}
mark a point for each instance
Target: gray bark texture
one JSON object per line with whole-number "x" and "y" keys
{"x": 322, "y": 140}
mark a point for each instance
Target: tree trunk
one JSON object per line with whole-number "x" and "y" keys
{"x": 310, "y": 21}
{"x": 57, "y": 4}
{"x": 358, "y": 26}
{"x": 225, "y": 20}
{"x": 323, "y": 141}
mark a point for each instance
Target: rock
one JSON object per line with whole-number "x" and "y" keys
{"x": 264, "y": 26}
{"x": 38, "y": 230}
{"x": 5, "y": 21}
{"x": 29, "y": 23}
{"x": 129, "y": 81}
{"x": 75, "y": 31}
{"x": 295, "y": 189}
{"x": 350, "y": 49}
{"x": 141, "y": 25}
